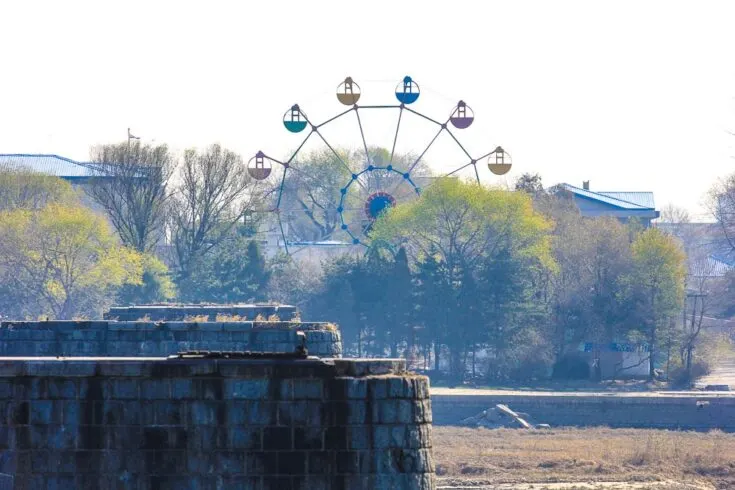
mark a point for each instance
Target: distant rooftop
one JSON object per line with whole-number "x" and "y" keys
{"x": 624, "y": 200}
{"x": 50, "y": 164}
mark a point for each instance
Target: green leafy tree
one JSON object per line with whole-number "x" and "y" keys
{"x": 63, "y": 261}
{"x": 433, "y": 297}
{"x": 529, "y": 183}
{"x": 400, "y": 319}
{"x": 156, "y": 285}
{"x": 21, "y": 188}
{"x": 655, "y": 285}
{"x": 233, "y": 272}
{"x": 581, "y": 296}
{"x": 463, "y": 225}
{"x": 333, "y": 297}
{"x": 293, "y": 282}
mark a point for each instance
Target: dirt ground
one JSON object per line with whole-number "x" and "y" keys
{"x": 597, "y": 458}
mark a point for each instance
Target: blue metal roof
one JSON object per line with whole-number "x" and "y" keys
{"x": 644, "y": 199}
{"x": 623, "y": 200}
{"x": 49, "y": 165}
{"x": 711, "y": 267}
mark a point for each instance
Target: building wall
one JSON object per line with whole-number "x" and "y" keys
{"x": 586, "y": 410}
{"x": 595, "y": 209}
{"x": 130, "y": 339}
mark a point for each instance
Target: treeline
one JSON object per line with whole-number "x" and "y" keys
{"x": 521, "y": 278}
{"x": 472, "y": 280}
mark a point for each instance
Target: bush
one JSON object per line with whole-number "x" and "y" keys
{"x": 571, "y": 366}
{"x": 680, "y": 377}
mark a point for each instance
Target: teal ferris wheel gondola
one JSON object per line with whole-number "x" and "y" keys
{"x": 294, "y": 119}
{"x": 407, "y": 92}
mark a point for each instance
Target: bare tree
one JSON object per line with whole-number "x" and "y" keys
{"x": 722, "y": 206}
{"x": 675, "y": 215}
{"x": 214, "y": 193}
{"x": 132, "y": 188}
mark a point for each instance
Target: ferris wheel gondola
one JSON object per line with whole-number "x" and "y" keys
{"x": 462, "y": 116}
{"x": 499, "y": 161}
{"x": 294, "y": 119}
{"x": 408, "y": 91}
{"x": 259, "y": 167}
{"x": 348, "y": 92}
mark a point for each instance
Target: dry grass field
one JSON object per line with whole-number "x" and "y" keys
{"x": 675, "y": 460}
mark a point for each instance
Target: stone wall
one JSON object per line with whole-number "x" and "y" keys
{"x": 98, "y": 424}
{"x": 151, "y": 339}
{"x": 180, "y": 312}
{"x": 615, "y": 410}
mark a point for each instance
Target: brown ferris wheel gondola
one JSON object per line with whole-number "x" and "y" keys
{"x": 348, "y": 92}
{"x": 499, "y": 161}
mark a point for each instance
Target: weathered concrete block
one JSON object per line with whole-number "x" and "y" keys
{"x": 253, "y": 389}
{"x": 207, "y": 423}
{"x": 150, "y": 338}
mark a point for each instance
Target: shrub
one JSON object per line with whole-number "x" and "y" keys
{"x": 571, "y": 366}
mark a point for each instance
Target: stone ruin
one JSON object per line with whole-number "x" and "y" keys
{"x": 181, "y": 312}
{"x": 247, "y": 408}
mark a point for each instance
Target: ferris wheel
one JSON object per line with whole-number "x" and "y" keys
{"x": 336, "y": 196}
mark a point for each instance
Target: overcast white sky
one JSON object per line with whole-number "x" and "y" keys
{"x": 632, "y": 95}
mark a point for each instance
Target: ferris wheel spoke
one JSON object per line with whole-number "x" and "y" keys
{"x": 477, "y": 174}
{"x": 280, "y": 188}
{"x": 485, "y": 155}
{"x": 299, "y": 148}
{"x": 283, "y": 233}
{"x": 425, "y": 150}
{"x": 395, "y": 138}
{"x": 362, "y": 134}
{"x": 459, "y": 144}
{"x": 338, "y": 157}
{"x": 398, "y": 184}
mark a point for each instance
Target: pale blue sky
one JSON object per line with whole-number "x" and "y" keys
{"x": 632, "y": 95}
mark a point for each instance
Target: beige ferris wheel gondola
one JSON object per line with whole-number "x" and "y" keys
{"x": 348, "y": 92}
{"x": 499, "y": 161}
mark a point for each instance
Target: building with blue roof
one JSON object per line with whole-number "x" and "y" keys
{"x": 618, "y": 204}
{"x": 54, "y": 165}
